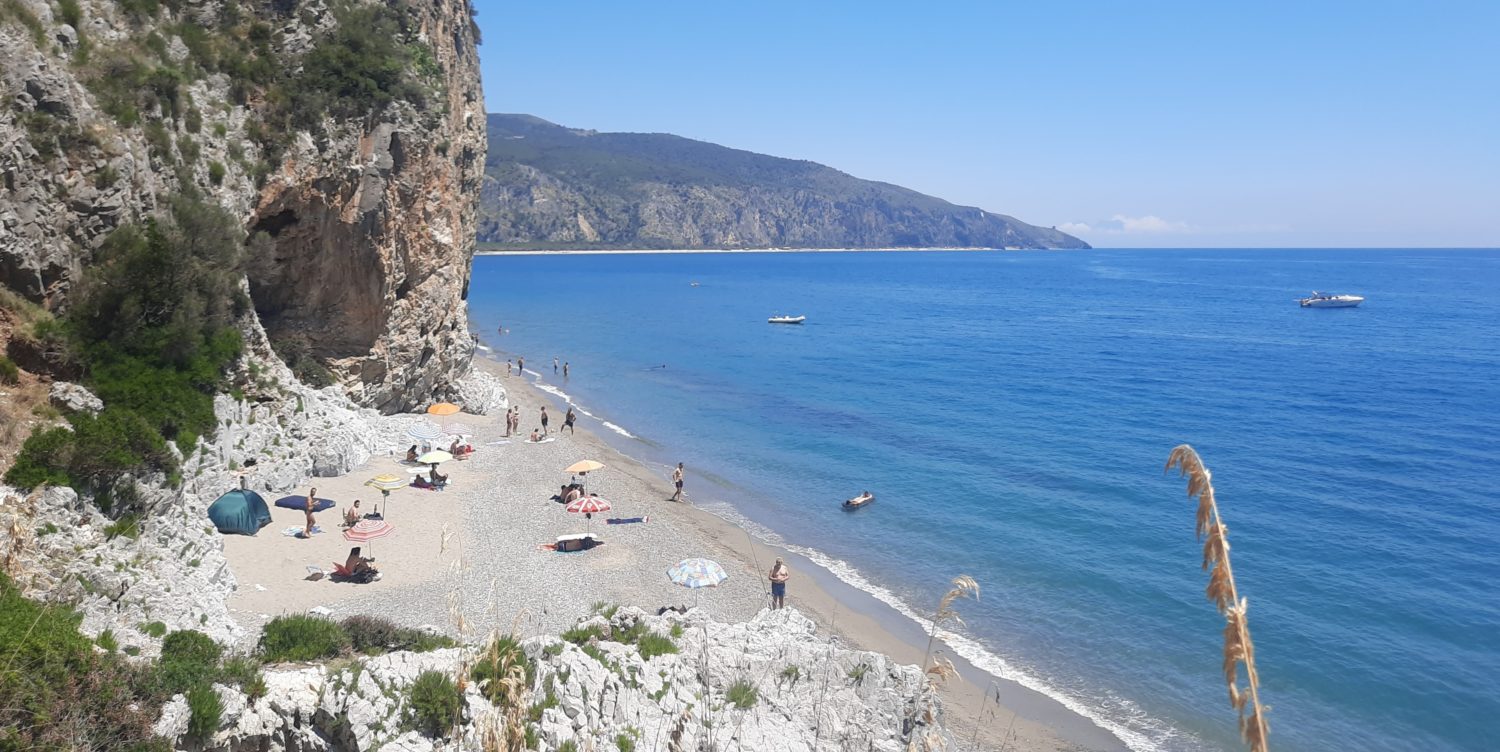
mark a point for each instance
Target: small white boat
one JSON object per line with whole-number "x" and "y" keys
{"x": 786, "y": 319}
{"x": 859, "y": 501}
{"x": 1328, "y": 300}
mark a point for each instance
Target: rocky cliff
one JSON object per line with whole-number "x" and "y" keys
{"x": 347, "y": 136}
{"x": 772, "y": 683}
{"x": 550, "y": 186}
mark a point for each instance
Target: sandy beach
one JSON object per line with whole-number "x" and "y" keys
{"x": 469, "y": 560}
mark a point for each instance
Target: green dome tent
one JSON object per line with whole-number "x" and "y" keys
{"x": 240, "y": 512}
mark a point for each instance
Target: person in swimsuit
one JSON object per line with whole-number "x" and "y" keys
{"x": 779, "y": 575}
{"x": 544, "y": 420}
{"x": 677, "y": 481}
{"x": 311, "y": 499}
{"x": 568, "y": 420}
{"x": 521, "y": 366}
{"x": 565, "y": 369}
{"x": 554, "y": 364}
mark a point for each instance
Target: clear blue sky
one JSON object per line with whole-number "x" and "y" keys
{"x": 1128, "y": 123}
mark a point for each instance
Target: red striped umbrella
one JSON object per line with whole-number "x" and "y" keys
{"x": 588, "y": 505}
{"x": 367, "y": 530}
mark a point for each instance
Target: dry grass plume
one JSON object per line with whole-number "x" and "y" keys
{"x": 1238, "y": 649}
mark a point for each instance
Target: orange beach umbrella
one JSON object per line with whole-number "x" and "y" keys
{"x": 443, "y": 408}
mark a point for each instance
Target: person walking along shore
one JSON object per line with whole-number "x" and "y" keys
{"x": 677, "y": 481}
{"x": 568, "y": 420}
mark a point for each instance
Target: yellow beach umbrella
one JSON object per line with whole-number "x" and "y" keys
{"x": 387, "y": 483}
{"x": 584, "y": 466}
{"x": 434, "y": 457}
{"x": 443, "y": 408}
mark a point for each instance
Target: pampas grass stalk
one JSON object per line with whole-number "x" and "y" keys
{"x": 1238, "y": 649}
{"x": 963, "y": 586}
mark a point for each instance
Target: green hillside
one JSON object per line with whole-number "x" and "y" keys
{"x": 547, "y": 186}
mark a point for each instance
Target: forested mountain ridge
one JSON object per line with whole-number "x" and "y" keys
{"x": 548, "y": 186}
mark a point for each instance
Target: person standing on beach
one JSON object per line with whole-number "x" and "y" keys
{"x": 311, "y": 499}
{"x": 568, "y": 420}
{"x": 507, "y": 367}
{"x": 544, "y": 420}
{"x": 677, "y": 481}
{"x": 554, "y": 364}
{"x": 565, "y": 369}
{"x": 521, "y": 365}
{"x": 779, "y": 575}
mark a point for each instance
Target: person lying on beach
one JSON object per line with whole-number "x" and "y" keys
{"x": 418, "y": 481}
{"x": 411, "y": 454}
{"x": 352, "y": 514}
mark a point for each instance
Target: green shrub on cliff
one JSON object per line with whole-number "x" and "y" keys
{"x": 301, "y": 637}
{"x": 56, "y": 692}
{"x": 433, "y": 704}
{"x": 359, "y": 67}
{"x": 152, "y": 323}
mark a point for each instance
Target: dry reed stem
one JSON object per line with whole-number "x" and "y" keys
{"x": 1238, "y": 649}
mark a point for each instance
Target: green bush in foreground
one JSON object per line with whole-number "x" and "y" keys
{"x": 10, "y": 373}
{"x": 205, "y": 709}
{"x": 301, "y": 637}
{"x": 372, "y": 636}
{"x": 56, "y": 692}
{"x": 433, "y": 703}
{"x": 188, "y": 658}
{"x": 652, "y": 644}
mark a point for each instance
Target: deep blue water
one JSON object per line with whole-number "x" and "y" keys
{"x": 1013, "y": 412}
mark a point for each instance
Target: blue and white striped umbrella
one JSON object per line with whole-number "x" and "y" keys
{"x": 697, "y": 573}
{"x": 425, "y": 430}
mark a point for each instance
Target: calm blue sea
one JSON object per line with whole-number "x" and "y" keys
{"x": 1013, "y": 412}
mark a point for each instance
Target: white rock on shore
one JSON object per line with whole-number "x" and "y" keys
{"x": 808, "y": 695}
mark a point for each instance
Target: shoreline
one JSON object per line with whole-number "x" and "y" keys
{"x": 681, "y": 251}
{"x": 860, "y": 617}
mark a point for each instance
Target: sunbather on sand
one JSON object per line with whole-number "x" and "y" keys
{"x": 356, "y": 563}
{"x": 352, "y": 514}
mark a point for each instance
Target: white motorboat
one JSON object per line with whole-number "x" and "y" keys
{"x": 787, "y": 319}
{"x": 1329, "y": 300}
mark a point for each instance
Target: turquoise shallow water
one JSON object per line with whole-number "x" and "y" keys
{"x": 1013, "y": 412}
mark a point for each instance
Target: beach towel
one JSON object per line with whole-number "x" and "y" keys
{"x": 547, "y": 440}
{"x": 296, "y": 531}
{"x": 627, "y": 520}
{"x": 501, "y": 442}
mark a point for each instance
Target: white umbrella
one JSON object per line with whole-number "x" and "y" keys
{"x": 424, "y": 430}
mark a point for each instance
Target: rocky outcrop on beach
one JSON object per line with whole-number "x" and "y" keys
{"x": 772, "y": 683}
{"x": 367, "y": 217}
{"x": 547, "y": 186}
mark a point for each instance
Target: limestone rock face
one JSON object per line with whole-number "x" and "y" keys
{"x": 68, "y": 396}
{"x": 371, "y": 219}
{"x": 808, "y": 694}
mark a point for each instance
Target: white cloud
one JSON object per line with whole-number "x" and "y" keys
{"x": 1148, "y": 224}
{"x": 1120, "y": 224}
